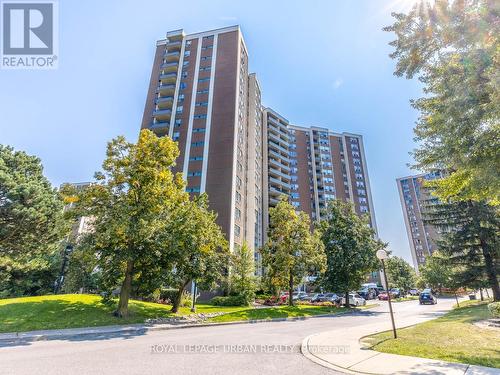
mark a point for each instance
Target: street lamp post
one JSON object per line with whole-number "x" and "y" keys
{"x": 382, "y": 255}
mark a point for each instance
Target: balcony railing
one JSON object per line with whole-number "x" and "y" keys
{"x": 167, "y": 90}
{"x": 171, "y": 56}
{"x": 169, "y": 66}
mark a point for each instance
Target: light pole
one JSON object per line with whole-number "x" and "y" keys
{"x": 382, "y": 255}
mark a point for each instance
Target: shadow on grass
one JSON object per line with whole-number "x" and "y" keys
{"x": 63, "y": 313}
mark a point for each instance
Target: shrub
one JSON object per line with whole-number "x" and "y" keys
{"x": 494, "y": 308}
{"x": 229, "y": 301}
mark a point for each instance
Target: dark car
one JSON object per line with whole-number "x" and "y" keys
{"x": 368, "y": 293}
{"x": 332, "y": 297}
{"x": 426, "y": 297}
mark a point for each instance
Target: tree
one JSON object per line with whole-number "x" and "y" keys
{"x": 292, "y": 251}
{"x": 469, "y": 240}
{"x": 454, "y": 49}
{"x": 31, "y": 211}
{"x": 242, "y": 273}
{"x": 436, "y": 273}
{"x": 400, "y": 274}
{"x": 350, "y": 247}
{"x": 198, "y": 247}
{"x": 129, "y": 204}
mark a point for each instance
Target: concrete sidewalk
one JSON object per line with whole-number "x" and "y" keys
{"x": 342, "y": 351}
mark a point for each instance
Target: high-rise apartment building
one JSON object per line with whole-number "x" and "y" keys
{"x": 244, "y": 157}
{"x": 314, "y": 165}
{"x": 202, "y": 96}
{"x": 414, "y": 196}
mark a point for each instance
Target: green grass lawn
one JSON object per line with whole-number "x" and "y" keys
{"x": 80, "y": 310}
{"x": 85, "y": 310}
{"x": 451, "y": 337}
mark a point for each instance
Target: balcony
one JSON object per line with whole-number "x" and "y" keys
{"x": 279, "y": 156}
{"x": 164, "y": 102}
{"x": 275, "y": 192}
{"x": 277, "y": 147}
{"x": 166, "y": 90}
{"x": 174, "y": 45}
{"x": 282, "y": 184}
{"x": 175, "y": 35}
{"x": 278, "y": 164}
{"x": 168, "y": 78}
{"x": 172, "y": 56}
{"x": 162, "y": 114}
{"x": 275, "y": 173}
{"x": 169, "y": 67}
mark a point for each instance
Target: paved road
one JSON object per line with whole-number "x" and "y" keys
{"x": 174, "y": 351}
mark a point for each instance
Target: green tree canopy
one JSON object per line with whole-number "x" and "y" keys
{"x": 436, "y": 273}
{"x": 350, "y": 247}
{"x": 242, "y": 273}
{"x": 31, "y": 210}
{"x": 400, "y": 274}
{"x": 199, "y": 251}
{"x": 469, "y": 241}
{"x": 128, "y": 204}
{"x": 454, "y": 49}
{"x": 292, "y": 250}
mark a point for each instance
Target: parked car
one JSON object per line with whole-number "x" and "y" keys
{"x": 414, "y": 292}
{"x": 299, "y": 296}
{"x": 283, "y": 297}
{"x": 396, "y": 293}
{"x": 368, "y": 293}
{"x": 383, "y": 295}
{"x": 318, "y": 297}
{"x": 427, "y": 297}
{"x": 355, "y": 300}
{"x": 332, "y": 297}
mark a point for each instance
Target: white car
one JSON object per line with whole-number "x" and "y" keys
{"x": 355, "y": 300}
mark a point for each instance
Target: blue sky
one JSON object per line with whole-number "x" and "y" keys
{"x": 322, "y": 63}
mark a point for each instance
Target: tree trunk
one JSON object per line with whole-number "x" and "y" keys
{"x": 290, "y": 290}
{"x": 347, "y": 300}
{"x": 481, "y": 294}
{"x": 122, "y": 309}
{"x": 177, "y": 301}
{"x": 487, "y": 293}
{"x": 491, "y": 271}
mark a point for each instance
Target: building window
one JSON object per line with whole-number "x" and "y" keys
{"x": 175, "y": 136}
{"x": 201, "y": 104}
{"x": 194, "y": 174}
{"x": 237, "y": 230}
{"x": 197, "y": 144}
{"x": 205, "y": 68}
{"x": 187, "y": 53}
{"x": 195, "y": 189}
{"x": 204, "y": 79}
{"x": 238, "y": 182}
{"x": 238, "y": 197}
{"x": 237, "y": 213}
{"x": 196, "y": 158}
{"x": 178, "y": 122}
{"x": 180, "y": 98}
{"x": 197, "y": 117}
{"x": 204, "y": 91}
{"x": 199, "y": 130}
{"x": 179, "y": 109}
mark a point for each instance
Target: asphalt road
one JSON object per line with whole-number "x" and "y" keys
{"x": 263, "y": 348}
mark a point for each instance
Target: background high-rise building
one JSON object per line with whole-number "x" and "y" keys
{"x": 203, "y": 97}
{"x": 414, "y": 196}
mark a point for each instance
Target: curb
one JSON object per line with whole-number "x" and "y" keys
{"x": 19, "y": 337}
